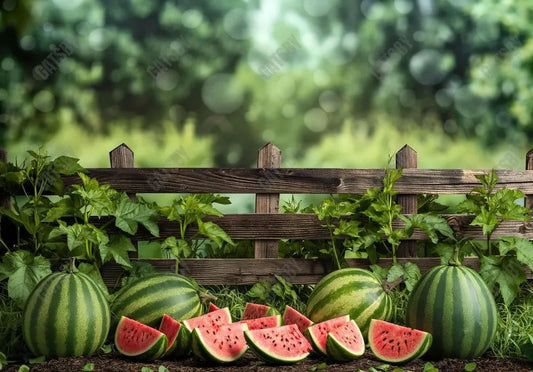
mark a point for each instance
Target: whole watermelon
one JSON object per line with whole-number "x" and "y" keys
{"x": 356, "y": 292}
{"x": 65, "y": 315}
{"x": 454, "y": 304}
{"x": 147, "y": 299}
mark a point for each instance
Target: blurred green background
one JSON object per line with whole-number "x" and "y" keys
{"x": 206, "y": 83}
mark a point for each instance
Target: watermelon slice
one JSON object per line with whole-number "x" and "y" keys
{"x": 280, "y": 345}
{"x": 212, "y": 320}
{"x": 213, "y": 307}
{"x": 345, "y": 343}
{"x": 291, "y": 316}
{"x": 134, "y": 339}
{"x": 171, "y": 328}
{"x": 318, "y": 333}
{"x": 254, "y": 311}
{"x": 396, "y": 344}
{"x": 225, "y": 345}
{"x": 264, "y": 322}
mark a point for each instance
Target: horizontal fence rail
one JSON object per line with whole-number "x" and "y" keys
{"x": 297, "y": 180}
{"x": 267, "y": 226}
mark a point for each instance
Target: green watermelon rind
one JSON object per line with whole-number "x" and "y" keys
{"x": 46, "y": 330}
{"x": 342, "y": 292}
{"x": 151, "y": 352}
{"x": 454, "y": 304}
{"x": 147, "y": 299}
{"x": 200, "y": 349}
{"x": 313, "y": 338}
{"x": 267, "y": 357}
{"x": 182, "y": 344}
{"x": 336, "y": 351}
{"x": 422, "y": 348}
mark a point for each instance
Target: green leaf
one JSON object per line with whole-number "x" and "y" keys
{"x": 88, "y": 367}
{"x": 24, "y": 368}
{"x": 24, "y": 271}
{"x": 506, "y": 272}
{"x": 67, "y": 166}
{"x": 319, "y": 367}
{"x": 383, "y": 367}
{"x": 260, "y": 290}
{"x": 212, "y": 231}
{"x": 162, "y": 369}
{"x": 470, "y": 367}
{"x": 107, "y": 348}
{"x": 3, "y": 360}
{"x": 129, "y": 214}
{"x": 117, "y": 249}
{"x": 146, "y": 369}
{"x": 428, "y": 367}
{"x": 395, "y": 272}
{"x": 523, "y": 248}
{"x": 411, "y": 275}
{"x": 430, "y": 224}
{"x": 92, "y": 272}
{"x": 487, "y": 220}
{"x": 445, "y": 252}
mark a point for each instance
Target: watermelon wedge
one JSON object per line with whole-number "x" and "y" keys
{"x": 345, "y": 343}
{"x": 280, "y": 345}
{"x": 225, "y": 345}
{"x": 171, "y": 328}
{"x": 212, "y": 320}
{"x": 292, "y": 316}
{"x": 397, "y": 344}
{"x": 262, "y": 323}
{"x": 254, "y": 311}
{"x": 317, "y": 334}
{"x": 213, "y": 307}
{"x": 139, "y": 341}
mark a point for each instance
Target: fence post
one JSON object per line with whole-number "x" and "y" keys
{"x": 122, "y": 157}
{"x": 406, "y": 157}
{"x": 269, "y": 156}
{"x": 528, "y": 202}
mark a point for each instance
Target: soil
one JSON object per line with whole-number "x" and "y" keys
{"x": 249, "y": 363}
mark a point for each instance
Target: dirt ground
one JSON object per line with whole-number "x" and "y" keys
{"x": 249, "y": 363}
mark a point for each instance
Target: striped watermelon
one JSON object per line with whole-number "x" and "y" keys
{"x": 147, "y": 299}
{"x": 65, "y": 315}
{"x": 454, "y": 304}
{"x": 352, "y": 291}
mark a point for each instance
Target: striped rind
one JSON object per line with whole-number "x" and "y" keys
{"x": 454, "y": 304}
{"x": 201, "y": 349}
{"x": 336, "y": 351}
{"x": 147, "y": 299}
{"x": 151, "y": 352}
{"x": 351, "y": 291}
{"x": 66, "y": 315}
{"x": 271, "y": 356}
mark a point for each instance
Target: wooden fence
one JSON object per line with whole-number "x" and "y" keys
{"x": 267, "y": 226}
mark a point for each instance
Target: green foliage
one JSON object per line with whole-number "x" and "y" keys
{"x": 501, "y": 260}
{"x": 3, "y": 360}
{"x": 276, "y": 294}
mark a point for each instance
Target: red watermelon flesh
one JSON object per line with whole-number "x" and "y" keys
{"x": 284, "y": 344}
{"x": 394, "y": 343}
{"x": 264, "y": 322}
{"x": 137, "y": 340}
{"x": 224, "y": 345}
{"x": 170, "y": 327}
{"x": 345, "y": 342}
{"x": 318, "y": 333}
{"x": 292, "y": 316}
{"x": 212, "y": 320}
{"x": 213, "y": 307}
{"x": 254, "y": 311}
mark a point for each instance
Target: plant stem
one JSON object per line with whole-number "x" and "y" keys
{"x": 335, "y": 257}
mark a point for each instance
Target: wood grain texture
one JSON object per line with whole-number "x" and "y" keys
{"x": 269, "y": 156}
{"x": 298, "y": 180}
{"x": 307, "y": 227}
{"x": 406, "y": 157}
{"x": 529, "y": 166}
{"x": 241, "y": 271}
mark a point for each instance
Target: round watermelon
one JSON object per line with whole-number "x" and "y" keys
{"x": 65, "y": 315}
{"x": 147, "y": 299}
{"x": 454, "y": 304}
{"x": 351, "y": 291}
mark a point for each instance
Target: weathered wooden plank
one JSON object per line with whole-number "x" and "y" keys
{"x": 298, "y": 180}
{"x": 243, "y": 271}
{"x": 406, "y": 158}
{"x": 529, "y": 166}
{"x": 307, "y": 226}
{"x": 269, "y": 156}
